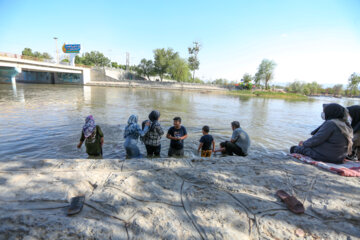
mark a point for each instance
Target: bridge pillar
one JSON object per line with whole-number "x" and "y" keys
{"x": 8, "y": 74}
{"x": 13, "y": 78}
{"x": 86, "y": 78}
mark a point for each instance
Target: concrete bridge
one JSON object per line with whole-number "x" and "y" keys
{"x": 13, "y": 68}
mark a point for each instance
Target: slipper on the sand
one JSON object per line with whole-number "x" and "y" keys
{"x": 76, "y": 204}
{"x": 291, "y": 202}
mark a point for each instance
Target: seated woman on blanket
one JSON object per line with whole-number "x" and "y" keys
{"x": 332, "y": 141}
{"x": 354, "y": 112}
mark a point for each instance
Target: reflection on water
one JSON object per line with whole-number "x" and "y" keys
{"x": 44, "y": 121}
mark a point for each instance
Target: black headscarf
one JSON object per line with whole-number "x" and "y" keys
{"x": 354, "y": 112}
{"x": 154, "y": 117}
{"x": 332, "y": 111}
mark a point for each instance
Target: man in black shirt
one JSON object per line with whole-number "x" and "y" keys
{"x": 176, "y": 134}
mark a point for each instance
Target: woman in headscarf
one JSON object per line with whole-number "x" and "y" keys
{"x": 153, "y": 136}
{"x": 354, "y": 112}
{"x": 131, "y": 135}
{"x": 332, "y": 141}
{"x": 93, "y": 137}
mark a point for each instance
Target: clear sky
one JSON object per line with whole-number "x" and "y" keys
{"x": 310, "y": 40}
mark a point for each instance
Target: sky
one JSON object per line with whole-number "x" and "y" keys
{"x": 309, "y": 40}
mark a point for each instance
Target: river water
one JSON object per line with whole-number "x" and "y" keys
{"x": 45, "y": 121}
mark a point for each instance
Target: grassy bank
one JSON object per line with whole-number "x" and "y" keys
{"x": 268, "y": 94}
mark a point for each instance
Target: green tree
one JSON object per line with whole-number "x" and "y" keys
{"x": 338, "y": 89}
{"x": 353, "y": 84}
{"x": 306, "y": 90}
{"x": 257, "y": 78}
{"x": 329, "y": 90}
{"x": 296, "y": 87}
{"x": 94, "y": 58}
{"x": 123, "y": 67}
{"x": 162, "y": 60}
{"x": 265, "y": 72}
{"x": 114, "y": 65}
{"x": 37, "y": 54}
{"x": 314, "y": 88}
{"x": 45, "y": 55}
{"x": 221, "y": 81}
{"x": 247, "y": 78}
{"x": 78, "y": 60}
{"x": 179, "y": 70}
{"x": 146, "y": 68}
{"x": 27, "y": 52}
{"x": 193, "y": 60}
{"x": 198, "y": 80}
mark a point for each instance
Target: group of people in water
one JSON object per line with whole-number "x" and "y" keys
{"x": 150, "y": 133}
{"x": 337, "y": 138}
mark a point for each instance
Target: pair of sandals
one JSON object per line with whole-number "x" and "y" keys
{"x": 294, "y": 205}
{"x": 291, "y": 202}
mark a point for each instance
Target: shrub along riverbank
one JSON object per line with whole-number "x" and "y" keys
{"x": 268, "y": 94}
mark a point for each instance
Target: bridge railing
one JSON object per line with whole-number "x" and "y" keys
{"x": 18, "y": 56}
{"x": 82, "y": 66}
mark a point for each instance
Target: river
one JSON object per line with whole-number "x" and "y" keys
{"x": 44, "y": 121}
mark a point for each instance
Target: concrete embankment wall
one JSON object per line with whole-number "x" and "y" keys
{"x": 120, "y": 78}
{"x": 112, "y": 75}
{"x": 157, "y": 85}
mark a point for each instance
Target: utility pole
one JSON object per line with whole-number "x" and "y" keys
{"x": 127, "y": 61}
{"x": 57, "y": 52}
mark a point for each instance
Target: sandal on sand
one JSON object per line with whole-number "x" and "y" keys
{"x": 291, "y": 202}
{"x": 76, "y": 204}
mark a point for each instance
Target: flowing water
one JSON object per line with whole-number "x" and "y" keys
{"x": 45, "y": 121}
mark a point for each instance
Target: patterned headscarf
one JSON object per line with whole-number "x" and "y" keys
{"x": 132, "y": 127}
{"x": 89, "y": 126}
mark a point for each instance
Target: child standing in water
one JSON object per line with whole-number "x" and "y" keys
{"x": 153, "y": 136}
{"x": 176, "y": 134}
{"x": 93, "y": 137}
{"x": 205, "y": 143}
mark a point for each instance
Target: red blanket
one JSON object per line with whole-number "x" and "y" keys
{"x": 347, "y": 169}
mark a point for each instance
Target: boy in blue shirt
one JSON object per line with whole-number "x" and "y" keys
{"x": 176, "y": 134}
{"x": 205, "y": 143}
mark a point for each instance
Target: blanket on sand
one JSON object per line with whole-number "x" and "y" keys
{"x": 347, "y": 168}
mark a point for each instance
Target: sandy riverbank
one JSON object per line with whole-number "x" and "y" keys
{"x": 223, "y": 198}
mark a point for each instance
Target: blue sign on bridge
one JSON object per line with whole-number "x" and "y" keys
{"x": 71, "y": 48}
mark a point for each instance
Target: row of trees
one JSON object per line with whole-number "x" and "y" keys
{"x": 264, "y": 74}
{"x": 168, "y": 63}
{"x": 312, "y": 88}
{"x": 29, "y": 53}
{"x": 352, "y": 89}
